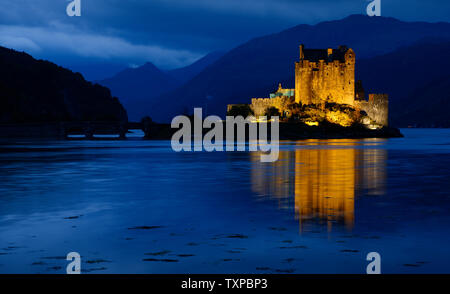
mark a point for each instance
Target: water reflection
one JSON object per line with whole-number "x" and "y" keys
{"x": 322, "y": 179}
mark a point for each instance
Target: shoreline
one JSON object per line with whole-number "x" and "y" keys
{"x": 294, "y": 131}
{"x": 155, "y": 131}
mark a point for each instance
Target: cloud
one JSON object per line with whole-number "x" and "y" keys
{"x": 278, "y": 9}
{"x": 69, "y": 41}
{"x": 199, "y": 25}
{"x": 172, "y": 33}
{"x": 18, "y": 43}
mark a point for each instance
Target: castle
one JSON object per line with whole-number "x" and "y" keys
{"x": 325, "y": 76}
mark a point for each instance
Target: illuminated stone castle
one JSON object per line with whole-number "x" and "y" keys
{"x": 325, "y": 76}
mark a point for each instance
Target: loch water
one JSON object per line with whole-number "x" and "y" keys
{"x": 136, "y": 206}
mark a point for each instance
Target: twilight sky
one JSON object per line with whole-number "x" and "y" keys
{"x": 172, "y": 33}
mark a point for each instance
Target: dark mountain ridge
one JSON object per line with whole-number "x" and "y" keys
{"x": 40, "y": 91}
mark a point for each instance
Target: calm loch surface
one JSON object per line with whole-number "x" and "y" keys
{"x": 136, "y": 206}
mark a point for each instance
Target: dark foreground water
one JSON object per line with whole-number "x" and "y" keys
{"x": 138, "y": 207}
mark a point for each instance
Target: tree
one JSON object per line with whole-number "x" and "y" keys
{"x": 243, "y": 110}
{"x": 272, "y": 111}
{"x": 146, "y": 123}
{"x": 295, "y": 110}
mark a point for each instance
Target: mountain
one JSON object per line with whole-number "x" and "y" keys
{"x": 415, "y": 77}
{"x": 137, "y": 86}
{"x": 94, "y": 70}
{"x": 186, "y": 73}
{"x": 39, "y": 91}
{"x": 255, "y": 68}
{"x": 427, "y": 106}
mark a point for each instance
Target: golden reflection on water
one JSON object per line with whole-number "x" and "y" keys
{"x": 322, "y": 179}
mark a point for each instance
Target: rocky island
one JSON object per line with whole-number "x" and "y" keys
{"x": 326, "y": 102}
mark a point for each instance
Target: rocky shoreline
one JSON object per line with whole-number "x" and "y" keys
{"x": 299, "y": 132}
{"x": 296, "y": 131}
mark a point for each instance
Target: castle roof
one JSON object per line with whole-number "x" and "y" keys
{"x": 328, "y": 55}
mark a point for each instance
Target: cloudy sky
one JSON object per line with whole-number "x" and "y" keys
{"x": 171, "y": 33}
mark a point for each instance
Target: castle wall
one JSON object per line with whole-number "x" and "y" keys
{"x": 377, "y": 108}
{"x": 316, "y": 82}
{"x": 259, "y": 105}
{"x": 229, "y": 106}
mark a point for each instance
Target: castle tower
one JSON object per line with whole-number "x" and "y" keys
{"x": 325, "y": 75}
{"x": 349, "y": 77}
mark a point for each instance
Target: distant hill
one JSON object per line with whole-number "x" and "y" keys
{"x": 39, "y": 91}
{"x": 186, "y": 73}
{"x": 255, "y": 68}
{"x": 94, "y": 70}
{"x": 138, "y": 87}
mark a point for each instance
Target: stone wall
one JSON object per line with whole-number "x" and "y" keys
{"x": 259, "y": 105}
{"x": 377, "y": 108}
